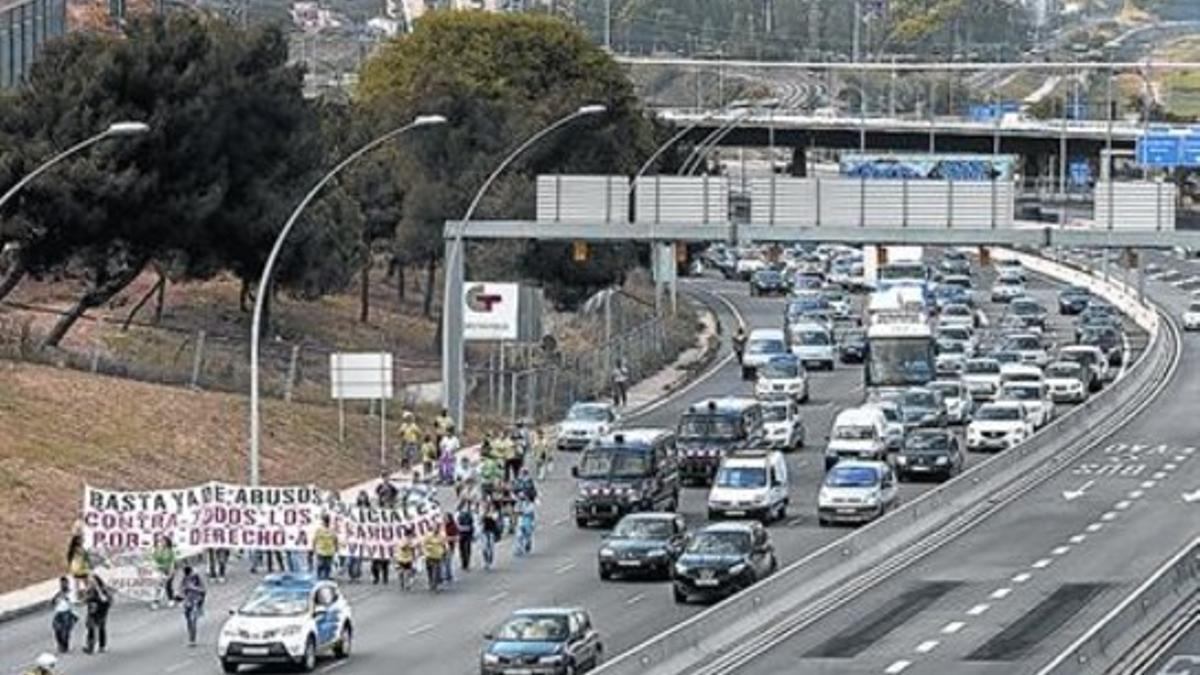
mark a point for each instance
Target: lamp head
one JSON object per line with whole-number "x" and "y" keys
{"x": 594, "y": 109}
{"x": 428, "y": 120}
{"x": 127, "y": 128}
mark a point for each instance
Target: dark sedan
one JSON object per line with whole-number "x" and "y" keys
{"x": 933, "y": 453}
{"x": 1073, "y": 300}
{"x": 551, "y": 641}
{"x": 768, "y": 282}
{"x": 642, "y": 543}
{"x": 852, "y": 346}
{"x": 722, "y": 559}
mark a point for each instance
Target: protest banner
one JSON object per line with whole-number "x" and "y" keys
{"x": 267, "y": 518}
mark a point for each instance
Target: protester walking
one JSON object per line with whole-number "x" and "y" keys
{"x": 525, "y": 525}
{"x": 64, "y": 618}
{"x": 406, "y": 563}
{"x": 451, "y": 526}
{"x": 410, "y": 441}
{"x": 192, "y": 586}
{"x": 491, "y": 531}
{"x": 79, "y": 564}
{"x": 466, "y": 534}
{"x": 523, "y": 486}
{"x": 448, "y": 447}
{"x": 435, "y": 552}
{"x": 505, "y": 451}
{"x": 325, "y": 547}
{"x": 98, "y": 599}
{"x": 443, "y": 425}
{"x": 543, "y": 460}
{"x": 386, "y": 492}
{"x": 218, "y": 563}
{"x": 429, "y": 458}
{"x": 163, "y": 557}
{"x": 620, "y": 383}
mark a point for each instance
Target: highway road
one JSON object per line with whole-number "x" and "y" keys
{"x": 1011, "y": 593}
{"x": 419, "y": 632}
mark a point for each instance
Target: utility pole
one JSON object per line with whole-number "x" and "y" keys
{"x": 608, "y": 25}
{"x": 855, "y": 31}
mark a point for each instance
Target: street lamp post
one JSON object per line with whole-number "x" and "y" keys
{"x": 115, "y": 129}
{"x": 453, "y": 396}
{"x": 264, "y": 280}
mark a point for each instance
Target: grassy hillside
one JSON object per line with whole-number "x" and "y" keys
{"x": 60, "y": 429}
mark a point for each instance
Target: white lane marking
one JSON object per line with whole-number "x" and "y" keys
{"x": 1188, "y": 451}
{"x": 795, "y": 521}
{"x": 636, "y": 599}
{"x": 1159, "y": 475}
{"x": 497, "y": 597}
{"x": 334, "y": 665}
{"x": 978, "y": 609}
{"x": 1136, "y": 494}
{"x": 1060, "y": 550}
{"x": 1170, "y": 466}
{"x": 1108, "y": 516}
{"x": 1180, "y": 458}
{"x": 1094, "y": 527}
{"x": 1000, "y": 593}
{"x": 563, "y": 569}
{"x": 1041, "y": 564}
{"x": 561, "y": 521}
{"x": 1149, "y": 484}
{"x": 1077, "y": 539}
{"x": 953, "y": 627}
{"x": 423, "y": 628}
{"x": 1122, "y": 505}
{"x": 1021, "y": 578}
{"x": 897, "y": 667}
{"x": 927, "y": 646}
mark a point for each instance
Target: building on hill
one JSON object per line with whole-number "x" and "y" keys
{"x": 26, "y": 25}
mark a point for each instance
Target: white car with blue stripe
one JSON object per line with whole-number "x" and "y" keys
{"x": 289, "y": 619}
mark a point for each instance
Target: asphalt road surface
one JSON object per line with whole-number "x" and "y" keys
{"x": 422, "y": 633}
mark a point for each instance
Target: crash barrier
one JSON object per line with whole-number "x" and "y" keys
{"x": 779, "y": 603}
{"x": 1171, "y": 585}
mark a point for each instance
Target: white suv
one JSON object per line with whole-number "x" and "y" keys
{"x": 289, "y": 619}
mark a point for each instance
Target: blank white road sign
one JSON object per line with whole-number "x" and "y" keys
{"x": 361, "y": 376}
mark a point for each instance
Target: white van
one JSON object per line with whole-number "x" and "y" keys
{"x": 762, "y": 345}
{"x": 750, "y": 484}
{"x": 858, "y": 433}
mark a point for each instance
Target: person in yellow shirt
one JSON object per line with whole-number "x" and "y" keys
{"x": 435, "y": 552}
{"x": 406, "y": 560}
{"x": 429, "y": 456}
{"x": 410, "y": 439}
{"x": 443, "y": 425}
{"x": 325, "y": 546}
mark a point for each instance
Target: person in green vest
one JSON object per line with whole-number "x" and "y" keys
{"x": 164, "y": 557}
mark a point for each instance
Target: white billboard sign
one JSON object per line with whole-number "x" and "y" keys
{"x": 363, "y": 376}
{"x": 490, "y": 311}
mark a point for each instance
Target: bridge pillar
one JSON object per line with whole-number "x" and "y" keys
{"x": 799, "y": 165}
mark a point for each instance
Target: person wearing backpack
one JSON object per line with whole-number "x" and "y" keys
{"x": 466, "y": 534}
{"x": 98, "y": 599}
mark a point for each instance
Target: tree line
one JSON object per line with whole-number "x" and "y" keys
{"x": 233, "y": 144}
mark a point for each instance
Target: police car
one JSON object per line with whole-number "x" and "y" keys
{"x": 289, "y": 619}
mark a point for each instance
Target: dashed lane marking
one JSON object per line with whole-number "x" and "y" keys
{"x": 1136, "y": 494}
{"x": 1109, "y": 516}
{"x": 1041, "y": 564}
{"x": 1147, "y": 484}
{"x": 1159, "y": 475}
{"x": 1077, "y": 539}
{"x": 497, "y": 597}
{"x": 1122, "y": 505}
{"x": 423, "y": 628}
{"x": 1094, "y": 527}
{"x": 1000, "y": 593}
{"x": 927, "y": 646}
{"x": 1021, "y": 578}
{"x": 563, "y": 569}
{"x": 1060, "y": 550}
{"x": 897, "y": 667}
{"x": 953, "y": 627}
{"x": 561, "y": 521}
{"x": 636, "y": 599}
{"x": 978, "y": 609}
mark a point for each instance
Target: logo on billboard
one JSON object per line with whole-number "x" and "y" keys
{"x": 480, "y": 300}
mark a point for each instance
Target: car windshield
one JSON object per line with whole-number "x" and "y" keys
{"x": 813, "y": 338}
{"x": 720, "y": 543}
{"x": 614, "y": 462}
{"x": 1007, "y": 357}
{"x": 954, "y": 334}
{"x": 956, "y": 310}
{"x": 983, "y": 367}
{"x": 768, "y": 276}
{"x": 853, "y": 432}
{"x": 775, "y": 413}
{"x": 781, "y": 368}
{"x": 891, "y": 413}
{"x": 1009, "y": 280}
{"x": 852, "y": 476}
{"x": 1194, "y": 307}
{"x": 1022, "y": 393}
{"x": 766, "y": 346}
{"x": 927, "y": 442}
{"x": 1025, "y": 342}
{"x": 919, "y": 399}
{"x": 1064, "y": 370}
{"x": 952, "y": 347}
{"x": 268, "y": 601}
{"x": 947, "y": 389}
{"x": 999, "y": 413}
{"x": 588, "y": 413}
{"x": 708, "y": 426}
{"x": 741, "y": 477}
{"x": 643, "y": 528}
{"x": 534, "y": 628}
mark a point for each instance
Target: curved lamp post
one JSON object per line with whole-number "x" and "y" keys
{"x": 264, "y": 279}
{"x": 453, "y": 396}
{"x": 115, "y": 129}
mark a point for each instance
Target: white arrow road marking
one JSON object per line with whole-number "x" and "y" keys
{"x": 1072, "y": 495}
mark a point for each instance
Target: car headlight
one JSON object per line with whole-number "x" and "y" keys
{"x": 551, "y": 660}
{"x": 941, "y": 461}
{"x": 491, "y": 659}
{"x": 229, "y": 632}
{"x": 681, "y": 569}
{"x": 737, "y": 569}
{"x": 606, "y": 553}
{"x": 657, "y": 553}
{"x": 901, "y": 459}
{"x": 291, "y": 631}
{"x": 871, "y": 499}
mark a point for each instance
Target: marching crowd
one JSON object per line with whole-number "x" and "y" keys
{"x": 495, "y": 499}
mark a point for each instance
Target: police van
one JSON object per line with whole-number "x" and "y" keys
{"x": 626, "y": 471}
{"x": 711, "y": 428}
